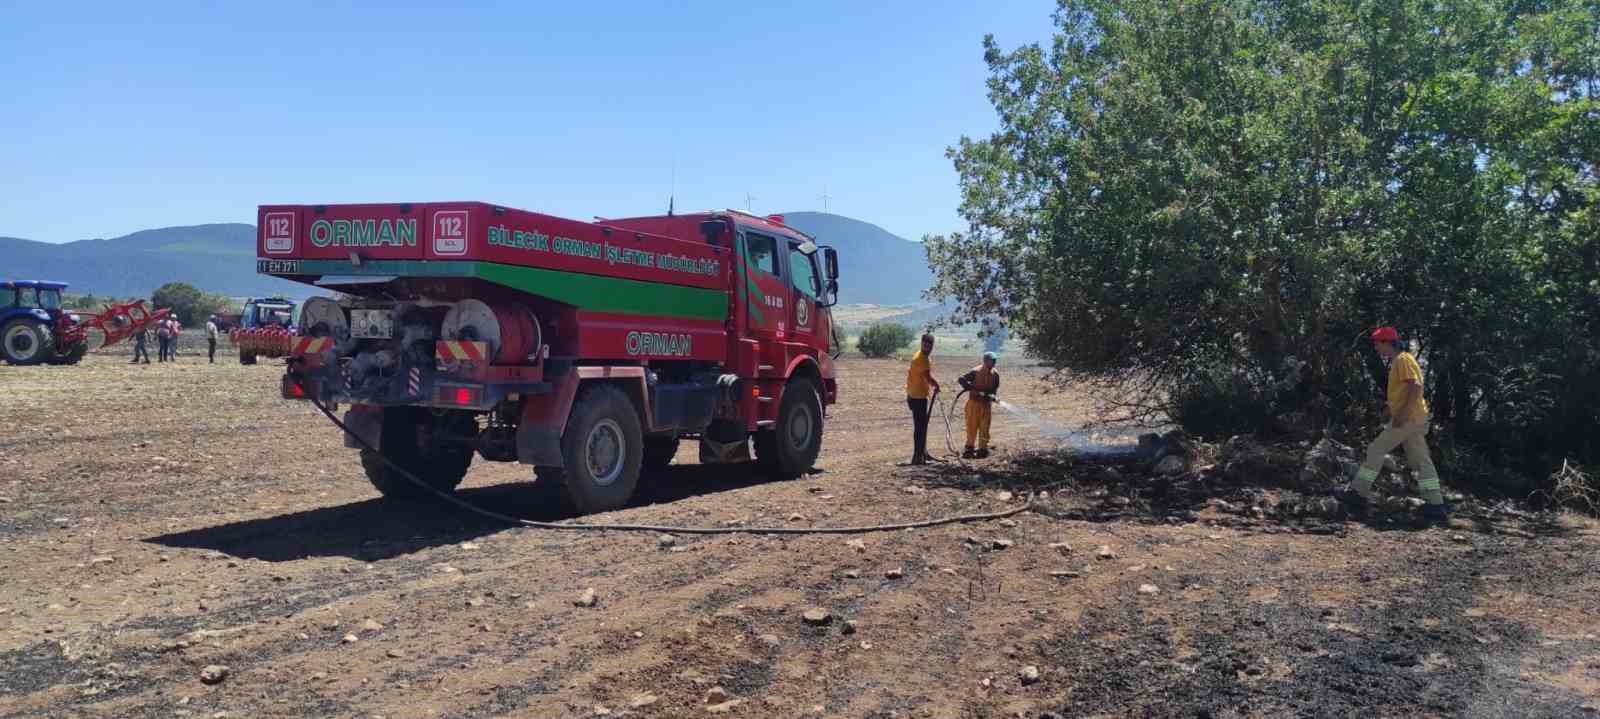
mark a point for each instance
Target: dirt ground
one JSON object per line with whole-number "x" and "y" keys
{"x": 158, "y": 519}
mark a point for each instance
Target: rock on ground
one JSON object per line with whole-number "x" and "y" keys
{"x": 1029, "y": 675}
{"x": 214, "y": 674}
{"x": 588, "y": 598}
{"x": 817, "y": 617}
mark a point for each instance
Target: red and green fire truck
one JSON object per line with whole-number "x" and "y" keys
{"x": 588, "y": 350}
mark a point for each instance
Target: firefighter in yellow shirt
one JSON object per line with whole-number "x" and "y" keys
{"x": 981, "y": 384}
{"x": 1408, "y": 428}
{"x": 921, "y": 388}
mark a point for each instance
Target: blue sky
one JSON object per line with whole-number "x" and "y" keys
{"x": 129, "y": 116}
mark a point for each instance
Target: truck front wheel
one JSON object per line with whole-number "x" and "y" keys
{"x": 410, "y": 441}
{"x": 791, "y": 448}
{"x": 602, "y": 448}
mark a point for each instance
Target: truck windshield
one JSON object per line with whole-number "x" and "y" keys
{"x": 50, "y": 299}
{"x": 803, "y": 269}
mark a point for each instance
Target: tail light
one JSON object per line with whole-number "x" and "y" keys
{"x": 459, "y": 396}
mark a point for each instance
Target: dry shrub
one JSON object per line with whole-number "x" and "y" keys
{"x": 1575, "y": 489}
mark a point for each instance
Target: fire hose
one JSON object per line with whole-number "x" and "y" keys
{"x": 949, "y": 415}
{"x": 518, "y": 521}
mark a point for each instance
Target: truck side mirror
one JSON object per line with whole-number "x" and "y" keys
{"x": 831, "y": 259}
{"x": 713, "y": 230}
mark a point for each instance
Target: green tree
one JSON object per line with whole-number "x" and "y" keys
{"x": 883, "y": 339}
{"x": 1224, "y": 196}
{"x": 188, "y": 303}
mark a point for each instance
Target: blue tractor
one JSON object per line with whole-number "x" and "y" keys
{"x": 30, "y": 314}
{"x": 34, "y": 329}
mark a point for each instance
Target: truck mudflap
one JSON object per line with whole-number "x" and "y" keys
{"x": 366, "y": 422}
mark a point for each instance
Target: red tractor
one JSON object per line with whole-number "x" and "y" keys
{"x": 34, "y": 329}
{"x": 588, "y": 350}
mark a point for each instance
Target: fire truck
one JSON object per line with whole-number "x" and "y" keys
{"x": 588, "y": 350}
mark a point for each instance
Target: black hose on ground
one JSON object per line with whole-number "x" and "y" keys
{"x": 508, "y": 519}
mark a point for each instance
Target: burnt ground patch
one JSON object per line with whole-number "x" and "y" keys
{"x": 1411, "y": 653}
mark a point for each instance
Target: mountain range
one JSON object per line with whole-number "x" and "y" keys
{"x": 875, "y": 266}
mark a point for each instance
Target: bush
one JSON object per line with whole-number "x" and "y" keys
{"x": 882, "y": 339}
{"x": 1183, "y": 185}
{"x": 1222, "y": 404}
{"x": 188, "y": 303}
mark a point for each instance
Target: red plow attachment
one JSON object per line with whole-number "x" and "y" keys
{"x": 117, "y": 322}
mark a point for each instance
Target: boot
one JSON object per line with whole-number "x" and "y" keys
{"x": 982, "y": 453}
{"x": 969, "y": 453}
{"x": 1354, "y": 503}
{"x": 1436, "y": 513}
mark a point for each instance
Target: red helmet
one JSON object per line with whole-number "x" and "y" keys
{"x": 1385, "y": 334}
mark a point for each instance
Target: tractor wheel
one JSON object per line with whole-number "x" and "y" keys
{"x": 788, "y": 450}
{"x": 602, "y": 448}
{"x": 247, "y": 357}
{"x": 658, "y": 452}
{"x": 26, "y": 342}
{"x": 74, "y": 353}
{"x": 409, "y": 439}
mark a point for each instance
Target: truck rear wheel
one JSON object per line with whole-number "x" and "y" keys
{"x": 602, "y": 448}
{"x": 409, "y": 439}
{"x": 658, "y": 452}
{"x": 791, "y": 448}
{"x": 25, "y": 342}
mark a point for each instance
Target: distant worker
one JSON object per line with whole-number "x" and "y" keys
{"x": 172, "y": 348}
{"x": 1408, "y": 427}
{"x": 211, "y": 339}
{"x": 921, "y": 388}
{"x": 981, "y": 384}
{"x": 140, "y": 337}
{"x": 163, "y": 340}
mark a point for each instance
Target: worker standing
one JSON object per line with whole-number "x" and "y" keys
{"x": 981, "y": 383}
{"x": 177, "y": 331}
{"x": 163, "y": 340}
{"x": 211, "y": 339}
{"x": 1408, "y": 428}
{"x": 140, "y": 337}
{"x": 921, "y": 388}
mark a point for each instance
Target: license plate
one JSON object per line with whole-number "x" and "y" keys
{"x": 371, "y": 324}
{"x": 277, "y": 267}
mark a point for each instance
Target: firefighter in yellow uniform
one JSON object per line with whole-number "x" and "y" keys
{"x": 1408, "y": 428}
{"x": 981, "y": 384}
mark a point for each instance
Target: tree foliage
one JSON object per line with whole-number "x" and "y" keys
{"x": 883, "y": 339}
{"x": 191, "y": 305}
{"x": 1200, "y": 194}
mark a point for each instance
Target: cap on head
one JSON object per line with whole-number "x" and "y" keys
{"x": 990, "y": 357}
{"x": 1385, "y": 334}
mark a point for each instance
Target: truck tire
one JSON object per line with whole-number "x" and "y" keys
{"x": 658, "y": 452}
{"x": 74, "y": 353}
{"x": 406, "y": 440}
{"x": 602, "y": 449}
{"x": 790, "y": 449}
{"x": 26, "y": 342}
{"x": 247, "y": 357}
